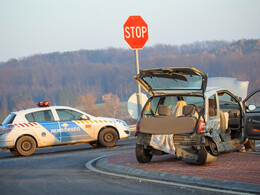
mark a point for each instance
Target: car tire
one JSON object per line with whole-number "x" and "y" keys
{"x": 14, "y": 151}
{"x": 142, "y": 155}
{"x": 26, "y": 146}
{"x": 212, "y": 147}
{"x": 250, "y": 145}
{"x": 95, "y": 144}
{"x": 108, "y": 137}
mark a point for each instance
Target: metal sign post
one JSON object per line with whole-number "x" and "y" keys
{"x": 139, "y": 100}
{"x": 136, "y": 35}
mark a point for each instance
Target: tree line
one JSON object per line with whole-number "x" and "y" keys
{"x": 65, "y": 78}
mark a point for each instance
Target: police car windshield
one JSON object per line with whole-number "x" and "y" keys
{"x": 9, "y": 119}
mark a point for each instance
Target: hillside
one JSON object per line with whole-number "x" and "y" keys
{"x": 63, "y": 77}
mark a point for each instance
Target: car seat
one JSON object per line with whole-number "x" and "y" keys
{"x": 212, "y": 107}
{"x": 223, "y": 120}
{"x": 189, "y": 111}
{"x": 163, "y": 110}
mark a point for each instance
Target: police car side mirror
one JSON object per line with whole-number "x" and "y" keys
{"x": 251, "y": 107}
{"x": 83, "y": 117}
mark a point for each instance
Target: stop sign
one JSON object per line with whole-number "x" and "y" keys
{"x": 135, "y": 32}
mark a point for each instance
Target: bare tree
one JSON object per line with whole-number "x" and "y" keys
{"x": 4, "y": 110}
{"x": 112, "y": 105}
{"x": 88, "y": 103}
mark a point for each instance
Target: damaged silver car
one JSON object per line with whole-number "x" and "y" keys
{"x": 185, "y": 118}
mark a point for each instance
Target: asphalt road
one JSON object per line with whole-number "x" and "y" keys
{"x": 62, "y": 170}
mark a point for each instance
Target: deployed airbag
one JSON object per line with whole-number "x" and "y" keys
{"x": 163, "y": 143}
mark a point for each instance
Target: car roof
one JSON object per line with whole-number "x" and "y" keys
{"x": 29, "y": 110}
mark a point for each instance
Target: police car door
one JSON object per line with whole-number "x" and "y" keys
{"x": 252, "y": 115}
{"x": 46, "y": 128}
{"x": 70, "y": 127}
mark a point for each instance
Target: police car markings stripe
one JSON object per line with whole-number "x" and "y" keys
{"x": 79, "y": 122}
{"x": 21, "y": 125}
{"x": 90, "y": 121}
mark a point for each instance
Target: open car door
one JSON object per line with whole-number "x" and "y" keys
{"x": 252, "y": 115}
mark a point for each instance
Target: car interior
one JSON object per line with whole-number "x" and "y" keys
{"x": 171, "y": 115}
{"x": 229, "y": 106}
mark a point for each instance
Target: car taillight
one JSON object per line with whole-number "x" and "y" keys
{"x": 201, "y": 127}
{"x": 8, "y": 129}
{"x": 137, "y": 126}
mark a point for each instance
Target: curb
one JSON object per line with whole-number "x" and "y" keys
{"x": 104, "y": 165}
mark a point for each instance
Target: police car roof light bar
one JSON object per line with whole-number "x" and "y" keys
{"x": 43, "y": 104}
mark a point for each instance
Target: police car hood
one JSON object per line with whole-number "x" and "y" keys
{"x": 238, "y": 88}
{"x": 113, "y": 119}
{"x": 105, "y": 118}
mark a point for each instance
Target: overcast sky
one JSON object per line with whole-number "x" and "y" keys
{"x": 30, "y": 27}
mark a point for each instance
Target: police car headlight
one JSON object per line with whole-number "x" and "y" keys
{"x": 122, "y": 122}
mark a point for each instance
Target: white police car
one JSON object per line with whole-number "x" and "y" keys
{"x": 24, "y": 131}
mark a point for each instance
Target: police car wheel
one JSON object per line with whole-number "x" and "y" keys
{"x": 108, "y": 137}
{"x": 26, "y": 145}
{"x": 15, "y": 152}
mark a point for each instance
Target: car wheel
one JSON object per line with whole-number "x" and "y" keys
{"x": 108, "y": 137}
{"x": 15, "y": 152}
{"x": 212, "y": 147}
{"x": 95, "y": 144}
{"x": 250, "y": 145}
{"x": 142, "y": 155}
{"x": 26, "y": 145}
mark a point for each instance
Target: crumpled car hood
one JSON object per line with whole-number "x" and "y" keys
{"x": 238, "y": 88}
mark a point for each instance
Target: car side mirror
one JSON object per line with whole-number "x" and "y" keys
{"x": 83, "y": 117}
{"x": 251, "y": 107}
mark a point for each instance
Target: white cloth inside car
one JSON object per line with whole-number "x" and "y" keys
{"x": 177, "y": 110}
{"x": 163, "y": 143}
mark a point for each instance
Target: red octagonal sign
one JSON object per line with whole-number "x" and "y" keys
{"x": 135, "y": 32}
